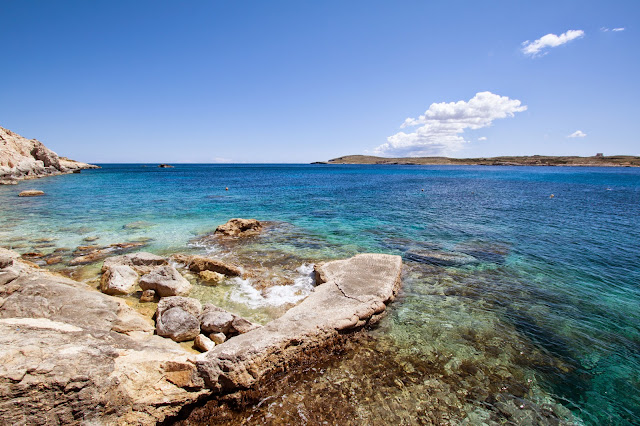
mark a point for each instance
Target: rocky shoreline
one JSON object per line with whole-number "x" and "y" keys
{"x": 22, "y": 158}
{"x": 71, "y": 354}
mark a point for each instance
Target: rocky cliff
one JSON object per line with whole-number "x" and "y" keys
{"x": 22, "y": 158}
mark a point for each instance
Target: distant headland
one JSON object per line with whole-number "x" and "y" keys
{"x": 597, "y": 160}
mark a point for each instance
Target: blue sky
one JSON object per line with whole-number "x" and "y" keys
{"x": 301, "y": 81}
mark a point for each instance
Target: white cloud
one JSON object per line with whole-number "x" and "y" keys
{"x": 482, "y": 138}
{"x": 604, "y": 29}
{"x": 537, "y": 47}
{"x": 617, "y": 29}
{"x": 577, "y": 134}
{"x": 439, "y": 128}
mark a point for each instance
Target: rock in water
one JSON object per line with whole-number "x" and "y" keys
{"x": 440, "y": 258}
{"x": 239, "y": 228}
{"x": 354, "y": 293}
{"x": 148, "y": 296}
{"x": 118, "y": 279}
{"x": 166, "y": 281}
{"x": 22, "y": 158}
{"x": 30, "y": 193}
{"x": 142, "y": 262}
{"x": 215, "y": 320}
{"x": 178, "y": 318}
{"x": 200, "y": 263}
{"x": 211, "y": 277}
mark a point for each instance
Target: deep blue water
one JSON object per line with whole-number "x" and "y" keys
{"x": 558, "y": 275}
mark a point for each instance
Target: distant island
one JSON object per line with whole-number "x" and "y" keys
{"x": 597, "y": 160}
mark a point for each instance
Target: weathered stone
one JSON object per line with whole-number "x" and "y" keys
{"x": 118, "y": 279}
{"x": 440, "y": 258}
{"x": 71, "y": 355}
{"x": 142, "y": 262}
{"x": 91, "y": 239}
{"x": 241, "y": 325}
{"x": 178, "y": 318}
{"x": 239, "y": 228}
{"x": 148, "y": 296}
{"x": 354, "y": 294}
{"x": 30, "y": 193}
{"x": 53, "y": 260}
{"x": 215, "y": 319}
{"x": 210, "y": 277}
{"x": 201, "y": 263}
{"x": 217, "y": 338}
{"x": 8, "y": 274}
{"x": 89, "y": 258}
{"x": 166, "y": 281}
{"x": 203, "y": 343}
{"x": 5, "y": 260}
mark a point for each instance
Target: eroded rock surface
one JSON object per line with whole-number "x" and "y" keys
{"x": 141, "y": 262}
{"x": 22, "y": 158}
{"x": 239, "y": 228}
{"x": 199, "y": 264}
{"x": 178, "y": 318}
{"x": 352, "y": 293}
{"x": 441, "y": 258}
{"x": 166, "y": 281}
{"x": 71, "y": 355}
{"x": 118, "y": 279}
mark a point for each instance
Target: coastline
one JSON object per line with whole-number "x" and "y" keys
{"x": 535, "y": 160}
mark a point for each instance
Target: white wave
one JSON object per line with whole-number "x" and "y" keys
{"x": 278, "y": 295}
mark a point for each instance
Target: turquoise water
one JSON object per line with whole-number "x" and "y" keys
{"x": 546, "y": 321}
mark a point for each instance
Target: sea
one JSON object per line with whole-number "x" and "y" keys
{"x": 533, "y": 319}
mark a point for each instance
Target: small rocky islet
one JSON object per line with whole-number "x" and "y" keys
{"x": 71, "y": 354}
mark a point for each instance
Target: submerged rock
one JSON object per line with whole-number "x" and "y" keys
{"x": 148, "y": 296}
{"x": 211, "y": 277}
{"x": 440, "y": 258}
{"x": 118, "y": 279}
{"x": 354, "y": 292}
{"x": 178, "y": 318}
{"x": 239, "y": 228}
{"x": 166, "y": 281}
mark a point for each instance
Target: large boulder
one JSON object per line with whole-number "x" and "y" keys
{"x": 239, "y": 228}
{"x": 353, "y": 293}
{"x": 166, "y": 281}
{"x": 142, "y": 262}
{"x": 118, "y": 279}
{"x": 178, "y": 318}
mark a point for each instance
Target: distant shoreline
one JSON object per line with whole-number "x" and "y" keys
{"x": 534, "y": 160}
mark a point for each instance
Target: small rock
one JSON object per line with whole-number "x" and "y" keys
{"x": 217, "y": 338}
{"x": 211, "y": 277}
{"x": 178, "y": 318}
{"x": 30, "y": 193}
{"x": 90, "y": 239}
{"x": 148, "y": 296}
{"x": 203, "y": 343}
{"x": 89, "y": 258}
{"x": 120, "y": 279}
{"x": 54, "y": 259}
{"x": 165, "y": 166}
{"x": 239, "y": 228}
{"x": 166, "y": 281}
{"x": 140, "y": 224}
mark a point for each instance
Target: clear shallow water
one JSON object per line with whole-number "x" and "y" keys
{"x": 550, "y": 315}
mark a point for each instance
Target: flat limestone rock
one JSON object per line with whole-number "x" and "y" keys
{"x": 351, "y": 293}
{"x": 30, "y": 193}
{"x": 71, "y": 355}
{"x": 142, "y": 262}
